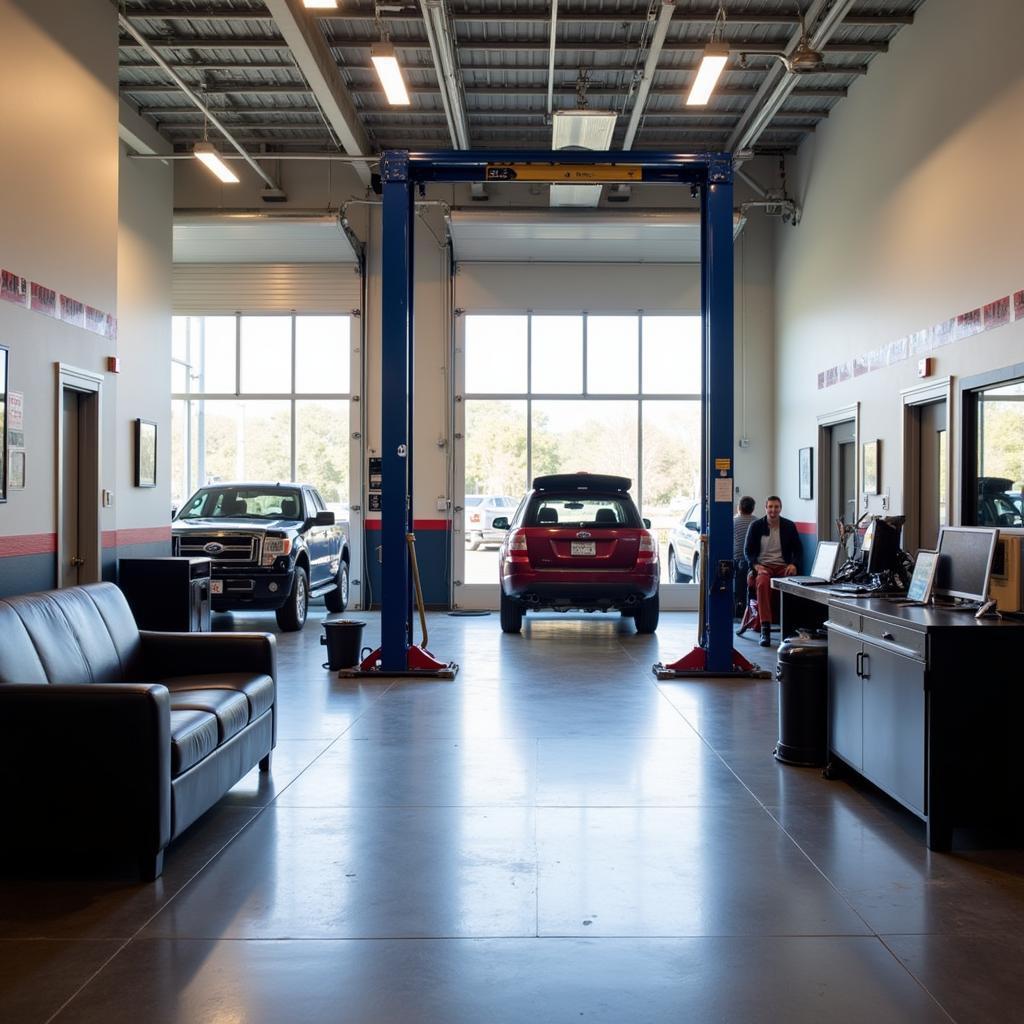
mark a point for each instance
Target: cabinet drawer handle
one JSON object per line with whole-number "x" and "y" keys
{"x": 888, "y": 636}
{"x": 860, "y": 661}
{"x": 865, "y": 666}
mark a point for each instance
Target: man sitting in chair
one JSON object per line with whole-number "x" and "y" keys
{"x": 772, "y": 549}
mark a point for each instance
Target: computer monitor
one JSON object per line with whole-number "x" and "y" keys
{"x": 965, "y": 562}
{"x": 825, "y": 559}
{"x": 880, "y": 547}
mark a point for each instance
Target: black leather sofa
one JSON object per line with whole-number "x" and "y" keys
{"x": 116, "y": 739}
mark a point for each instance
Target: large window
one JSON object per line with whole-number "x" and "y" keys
{"x": 261, "y": 398}
{"x": 604, "y": 394}
{"x": 994, "y": 438}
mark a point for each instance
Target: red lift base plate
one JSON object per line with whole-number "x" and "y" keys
{"x": 694, "y": 665}
{"x": 419, "y": 663}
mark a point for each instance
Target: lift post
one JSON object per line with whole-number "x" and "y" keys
{"x": 402, "y": 172}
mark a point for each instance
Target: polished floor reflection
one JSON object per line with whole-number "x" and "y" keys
{"x": 553, "y": 836}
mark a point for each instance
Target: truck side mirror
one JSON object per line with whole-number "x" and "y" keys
{"x": 324, "y": 519}
{"x": 500, "y": 523}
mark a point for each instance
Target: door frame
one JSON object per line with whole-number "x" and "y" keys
{"x": 71, "y": 378}
{"x": 826, "y": 421}
{"x": 940, "y": 390}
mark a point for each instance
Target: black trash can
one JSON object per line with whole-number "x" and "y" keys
{"x": 343, "y": 639}
{"x": 802, "y": 674}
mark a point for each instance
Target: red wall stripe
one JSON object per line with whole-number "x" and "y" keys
{"x": 46, "y": 543}
{"x": 807, "y": 527}
{"x": 28, "y": 544}
{"x": 417, "y": 524}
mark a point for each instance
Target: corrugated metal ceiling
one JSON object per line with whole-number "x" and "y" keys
{"x": 235, "y": 51}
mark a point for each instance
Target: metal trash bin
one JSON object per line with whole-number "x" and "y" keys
{"x": 343, "y": 639}
{"x": 802, "y": 675}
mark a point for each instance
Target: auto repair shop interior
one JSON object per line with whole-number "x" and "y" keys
{"x": 307, "y": 334}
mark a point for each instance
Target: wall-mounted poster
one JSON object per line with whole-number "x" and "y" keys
{"x": 806, "y": 473}
{"x": 3, "y": 422}
{"x": 16, "y": 469}
{"x": 870, "y": 467}
{"x": 145, "y": 453}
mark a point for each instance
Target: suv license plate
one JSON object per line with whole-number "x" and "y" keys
{"x": 216, "y": 586}
{"x": 587, "y": 547}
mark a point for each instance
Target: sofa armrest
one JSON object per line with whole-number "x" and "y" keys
{"x": 86, "y": 764}
{"x": 185, "y": 654}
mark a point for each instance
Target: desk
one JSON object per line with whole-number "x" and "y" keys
{"x": 926, "y": 703}
{"x": 800, "y": 606}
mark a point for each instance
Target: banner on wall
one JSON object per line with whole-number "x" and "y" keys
{"x": 13, "y": 288}
{"x": 44, "y": 300}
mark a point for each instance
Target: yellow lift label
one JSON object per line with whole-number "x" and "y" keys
{"x": 571, "y": 173}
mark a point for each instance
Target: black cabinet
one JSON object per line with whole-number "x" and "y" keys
{"x": 167, "y": 593}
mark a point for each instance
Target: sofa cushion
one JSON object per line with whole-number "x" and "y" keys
{"x": 258, "y": 688}
{"x": 19, "y": 658}
{"x": 193, "y": 736}
{"x": 53, "y": 638}
{"x": 229, "y": 707}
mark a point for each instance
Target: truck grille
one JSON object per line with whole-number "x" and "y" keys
{"x": 238, "y": 549}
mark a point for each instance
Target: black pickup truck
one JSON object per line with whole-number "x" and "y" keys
{"x": 273, "y": 546}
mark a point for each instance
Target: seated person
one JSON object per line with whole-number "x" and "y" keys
{"x": 773, "y": 549}
{"x": 740, "y": 524}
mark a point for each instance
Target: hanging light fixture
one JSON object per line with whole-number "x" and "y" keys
{"x": 712, "y": 63}
{"x": 320, "y": 5}
{"x": 204, "y": 152}
{"x": 385, "y": 61}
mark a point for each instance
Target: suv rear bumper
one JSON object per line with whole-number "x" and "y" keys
{"x": 605, "y": 590}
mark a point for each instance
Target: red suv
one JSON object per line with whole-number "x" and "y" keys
{"x": 577, "y": 541}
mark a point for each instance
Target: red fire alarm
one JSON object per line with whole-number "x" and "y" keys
{"x": 113, "y": 364}
{"x": 924, "y": 367}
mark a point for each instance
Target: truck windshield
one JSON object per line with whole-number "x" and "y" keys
{"x": 244, "y": 503}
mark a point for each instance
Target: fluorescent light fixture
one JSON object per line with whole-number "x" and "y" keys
{"x": 711, "y": 65}
{"x": 315, "y": 5}
{"x": 582, "y": 129}
{"x": 575, "y": 195}
{"x": 204, "y": 151}
{"x": 389, "y": 73}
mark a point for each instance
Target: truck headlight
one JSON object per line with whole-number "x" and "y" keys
{"x": 275, "y": 547}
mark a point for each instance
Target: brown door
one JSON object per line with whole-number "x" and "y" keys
{"x": 932, "y": 468}
{"x": 71, "y": 553}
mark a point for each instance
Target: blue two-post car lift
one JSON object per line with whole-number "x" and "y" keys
{"x": 402, "y": 173}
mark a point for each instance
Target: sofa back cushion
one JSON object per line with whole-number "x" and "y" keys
{"x": 79, "y": 635}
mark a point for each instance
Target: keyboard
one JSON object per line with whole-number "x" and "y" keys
{"x": 807, "y": 581}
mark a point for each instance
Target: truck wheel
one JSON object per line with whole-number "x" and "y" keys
{"x": 647, "y": 615}
{"x": 337, "y": 600}
{"x": 292, "y": 616}
{"x": 511, "y": 615}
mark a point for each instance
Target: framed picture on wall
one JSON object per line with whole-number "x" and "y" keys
{"x": 145, "y": 453}
{"x": 870, "y": 468}
{"x": 806, "y": 473}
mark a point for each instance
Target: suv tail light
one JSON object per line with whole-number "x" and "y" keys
{"x": 648, "y": 548}
{"x": 517, "y": 548}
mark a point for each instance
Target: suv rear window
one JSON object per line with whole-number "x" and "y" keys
{"x": 581, "y": 510}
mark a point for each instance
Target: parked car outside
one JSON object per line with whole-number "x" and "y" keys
{"x": 998, "y": 505}
{"x": 273, "y": 546}
{"x": 577, "y": 542}
{"x": 481, "y": 511}
{"x": 684, "y": 547}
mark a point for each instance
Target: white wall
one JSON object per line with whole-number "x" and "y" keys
{"x": 145, "y": 195}
{"x": 911, "y": 215}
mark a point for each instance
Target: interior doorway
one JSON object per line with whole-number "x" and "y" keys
{"x": 838, "y": 435}
{"x": 78, "y": 477}
{"x": 926, "y": 469}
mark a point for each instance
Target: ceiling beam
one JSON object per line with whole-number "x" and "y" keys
{"x": 571, "y": 67}
{"x": 705, "y": 16}
{"x": 665, "y": 13}
{"x": 318, "y": 66}
{"x": 750, "y": 46}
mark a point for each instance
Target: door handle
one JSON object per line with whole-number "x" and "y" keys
{"x": 76, "y": 561}
{"x": 865, "y": 666}
{"x": 860, "y": 659}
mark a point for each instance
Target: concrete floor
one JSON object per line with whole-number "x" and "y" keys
{"x": 553, "y": 836}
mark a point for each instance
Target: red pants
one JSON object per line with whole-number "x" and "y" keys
{"x": 763, "y": 590}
